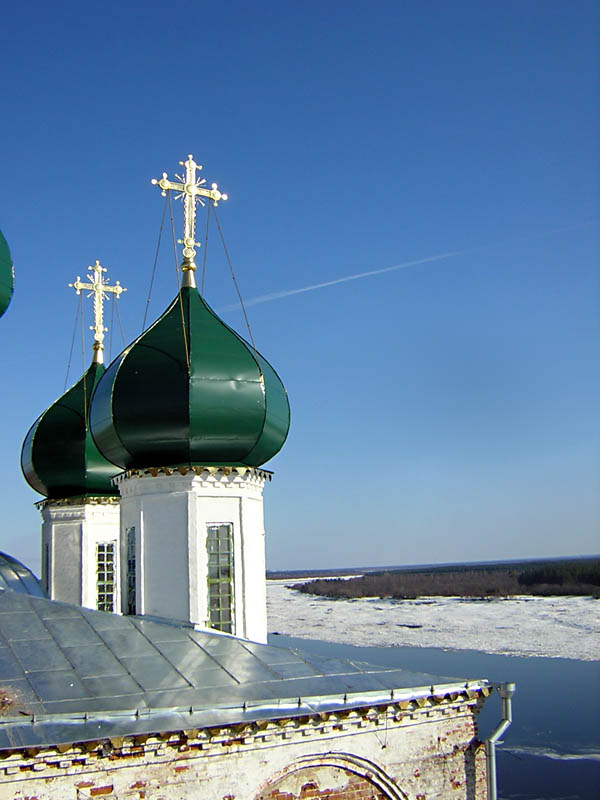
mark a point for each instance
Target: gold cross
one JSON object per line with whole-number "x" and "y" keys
{"x": 99, "y": 288}
{"x": 191, "y": 190}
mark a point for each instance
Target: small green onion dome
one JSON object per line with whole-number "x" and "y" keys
{"x": 189, "y": 391}
{"x": 59, "y": 458}
{"x": 7, "y": 276}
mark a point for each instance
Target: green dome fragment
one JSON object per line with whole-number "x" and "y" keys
{"x": 7, "y": 275}
{"x": 189, "y": 391}
{"x": 59, "y": 458}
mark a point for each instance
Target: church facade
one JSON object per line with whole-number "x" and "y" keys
{"x": 400, "y": 751}
{"x": 153, "y": 475}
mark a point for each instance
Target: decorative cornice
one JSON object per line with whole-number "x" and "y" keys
{"x": 82, "y": 500}
{"x": 197, "y": 470}
{"x": 413, "y": 707}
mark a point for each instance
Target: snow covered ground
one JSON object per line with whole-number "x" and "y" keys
{"x": 553, "y": 627}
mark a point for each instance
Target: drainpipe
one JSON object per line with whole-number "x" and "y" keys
{"x": 506, "y": 691}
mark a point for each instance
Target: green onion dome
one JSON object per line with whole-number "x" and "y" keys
{"x": 7, "y": 276}
{"x": 189, "y": 391}
{"x": 59, "y": 458}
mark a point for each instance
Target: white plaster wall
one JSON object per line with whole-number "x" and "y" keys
{"x": 64, "y": 573}
{"x": 69, "y": 537}
{"x": 100, "y": 524}
{"x": 165, "y": 584}
{"x": 170, "y": 511}
{"x": 254, "y": 587}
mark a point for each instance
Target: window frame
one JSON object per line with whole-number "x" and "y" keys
{"x": 221, "y": 615}
{"x": 106, "y": 566}
{"x": 130, "y": 605}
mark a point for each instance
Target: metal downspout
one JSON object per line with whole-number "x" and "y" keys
{"x": 506, "y": 691}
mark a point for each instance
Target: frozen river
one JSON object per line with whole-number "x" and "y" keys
{"x": 550, "y": 627}
{"x": 550, "y": 646}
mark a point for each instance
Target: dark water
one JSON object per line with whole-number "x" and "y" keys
{"x": 552, "y": 749}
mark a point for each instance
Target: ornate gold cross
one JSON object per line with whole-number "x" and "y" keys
{"x": 99, "y": 288}
{"x": 191, "y": 190}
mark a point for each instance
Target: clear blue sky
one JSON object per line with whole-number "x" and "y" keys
{"x": 445, "y": 411}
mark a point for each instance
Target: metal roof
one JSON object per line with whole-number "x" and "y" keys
{"x": 69, "y": 674}
{"x": 16, "y": 576}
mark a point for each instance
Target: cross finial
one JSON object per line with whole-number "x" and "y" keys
{"x": 99, "y": 288}
{"x": 191, "y": 190}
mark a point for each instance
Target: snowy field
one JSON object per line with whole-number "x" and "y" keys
{"x": 552, "y": 627}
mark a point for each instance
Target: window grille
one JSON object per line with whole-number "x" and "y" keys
{"x": 219, "y": 543}
{"x": 105, "y": 576}
{"x": 130, "y": 607}
{"x": 46, "y": 560}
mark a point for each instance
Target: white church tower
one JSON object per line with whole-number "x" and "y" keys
{"x": 193, "y": 545}
{"x": 190, "y": 412}
{"x": 80, "y": 515}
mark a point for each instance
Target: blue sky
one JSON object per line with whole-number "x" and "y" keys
{"x": 446, "y": 410}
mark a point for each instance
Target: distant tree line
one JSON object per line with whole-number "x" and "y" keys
{"x": 570, "y": 573}
{"x": 556, "y": 578}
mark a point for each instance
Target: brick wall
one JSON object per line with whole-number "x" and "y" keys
{"x": 321, "y": 783}
{"x": 403, "y": 751}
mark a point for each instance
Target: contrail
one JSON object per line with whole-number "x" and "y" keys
{"x": 265, "y": 298}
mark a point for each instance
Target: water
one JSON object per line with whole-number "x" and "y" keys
{"x": 547, "y": 627}
{"x": 552, "y": 749}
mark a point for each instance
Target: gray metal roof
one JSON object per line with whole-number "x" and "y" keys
{"x": 16, "y": 576}
{"x": 69, "y": 674}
